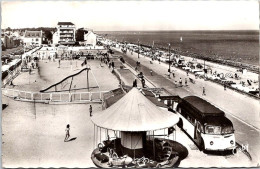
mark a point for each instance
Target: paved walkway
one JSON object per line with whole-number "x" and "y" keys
{"x": 33, "y": 133}
{"x": 241, "y": 109}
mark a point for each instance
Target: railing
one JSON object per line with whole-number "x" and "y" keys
{"x": 11, "y": 75}
{"x": 55, "y": 97}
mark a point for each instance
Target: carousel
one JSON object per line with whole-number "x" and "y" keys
{"x": 134, "y": 121}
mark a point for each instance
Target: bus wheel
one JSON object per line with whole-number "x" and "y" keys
{"x": 180, "y": 123}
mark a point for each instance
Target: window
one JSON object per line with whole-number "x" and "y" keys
{"x": 227, "y": 130}
{"x": 213, "y": 130}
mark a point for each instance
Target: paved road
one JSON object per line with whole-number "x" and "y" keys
{"x": 242, "y": 110}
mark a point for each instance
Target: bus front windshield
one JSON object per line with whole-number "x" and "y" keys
{"x": 218, "y": 130}
{"x": 213, "y": 130}
{"x": 227, "y": 130}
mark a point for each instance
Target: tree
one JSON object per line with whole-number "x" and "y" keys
{"x": 80, "y": 34}
{"x": 48, "y": 35}
{"x": 8, "y": 29}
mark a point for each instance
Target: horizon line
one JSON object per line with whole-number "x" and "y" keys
{"x": 149, "y": 30}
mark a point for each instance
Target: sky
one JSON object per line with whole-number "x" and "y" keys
{"x": 133, "y": 15}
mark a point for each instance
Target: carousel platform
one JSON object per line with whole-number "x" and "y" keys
{"x": 111, "y": 154}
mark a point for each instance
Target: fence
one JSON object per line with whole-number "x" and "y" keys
{"x": 55, "y": 97}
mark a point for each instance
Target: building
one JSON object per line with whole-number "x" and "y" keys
{"x": 66, "y": 33}
{"x": 90, "y": 38}
{"x": 9, "y": 41}
{"x": 33, "y": 38}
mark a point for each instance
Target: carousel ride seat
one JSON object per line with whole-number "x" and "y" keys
{"x": 102, "y": 157}
{"x": 120, "y": 161}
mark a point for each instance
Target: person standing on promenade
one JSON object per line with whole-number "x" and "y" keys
{"x": 135, "y": 83}
{"x": 67, "y": 133}
{"x": 159, "y": 60}
{"x": 204, "y": 91}
{"x": 187, "y": 73}
{"x": 151, "y": 72}
{"x": 90, "y": 111}
{"x": 186, "y": 82}
{"x": 225, "y": 86}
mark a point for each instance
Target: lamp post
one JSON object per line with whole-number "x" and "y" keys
{"x": 138, "y": 48}
{"x": 169, "y": 59}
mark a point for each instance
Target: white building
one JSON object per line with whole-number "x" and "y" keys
{"x": 90, "y": 39}
{"x": 66, "y": 33}
{"x": 32, "y": 38}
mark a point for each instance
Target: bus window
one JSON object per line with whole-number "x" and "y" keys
{"x": 213, "y": 130}
{"x": 227, "y": 130}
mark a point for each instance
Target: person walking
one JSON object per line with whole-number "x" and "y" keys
{"x": 151, "y": 72}
{"x": 173, "y": 74}
{"x": 225, "y": 86}
{"x": 143, "y": 82}
{"x": 186, "y": 82}
{"x": 204, "y": 91}
{"x": 67, "y": 136}
{"x": 90, "y": 111}
{"x": 180, "y": 82}
{"x": 113, "y": 65}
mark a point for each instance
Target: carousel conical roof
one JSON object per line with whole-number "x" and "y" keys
{"x": 134, "y": 112}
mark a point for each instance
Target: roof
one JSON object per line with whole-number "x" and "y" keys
{"x": 204, "y": 107}
{"x": 217, "y": 121}
{"x": 65, "y": 23}
{"x": 134, "y": 112}
{"x": 33, "y": 34}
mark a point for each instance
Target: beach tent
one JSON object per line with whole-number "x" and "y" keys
{"x": 134, "y": 115}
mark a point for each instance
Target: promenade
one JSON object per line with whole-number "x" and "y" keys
{"x": 241, "y": 109}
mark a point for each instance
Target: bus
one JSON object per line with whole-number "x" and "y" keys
{"x": 205, "y": 124}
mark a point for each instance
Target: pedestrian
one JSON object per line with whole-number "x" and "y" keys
{"x": 180, "y": 81}
{"x": 143, "y": 82}
{"x": 59, "y": 63}
{"x": 135, "y": 83}
{"x": 113, "y": 64}
{"x": 67, "y": 133}
{"x": 225, "y": 86}
{"x": 203, "y": 91}
{"x": 151, "y": 72}
{"x": 186, "y": 82}
{"x": 159, "y": 61}
{"x": 90, "y": 111}
{"x": 187, "y": 73}
{"x": 173, "y": 74}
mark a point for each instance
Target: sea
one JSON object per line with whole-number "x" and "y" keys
{"x": 238, "y": 46}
